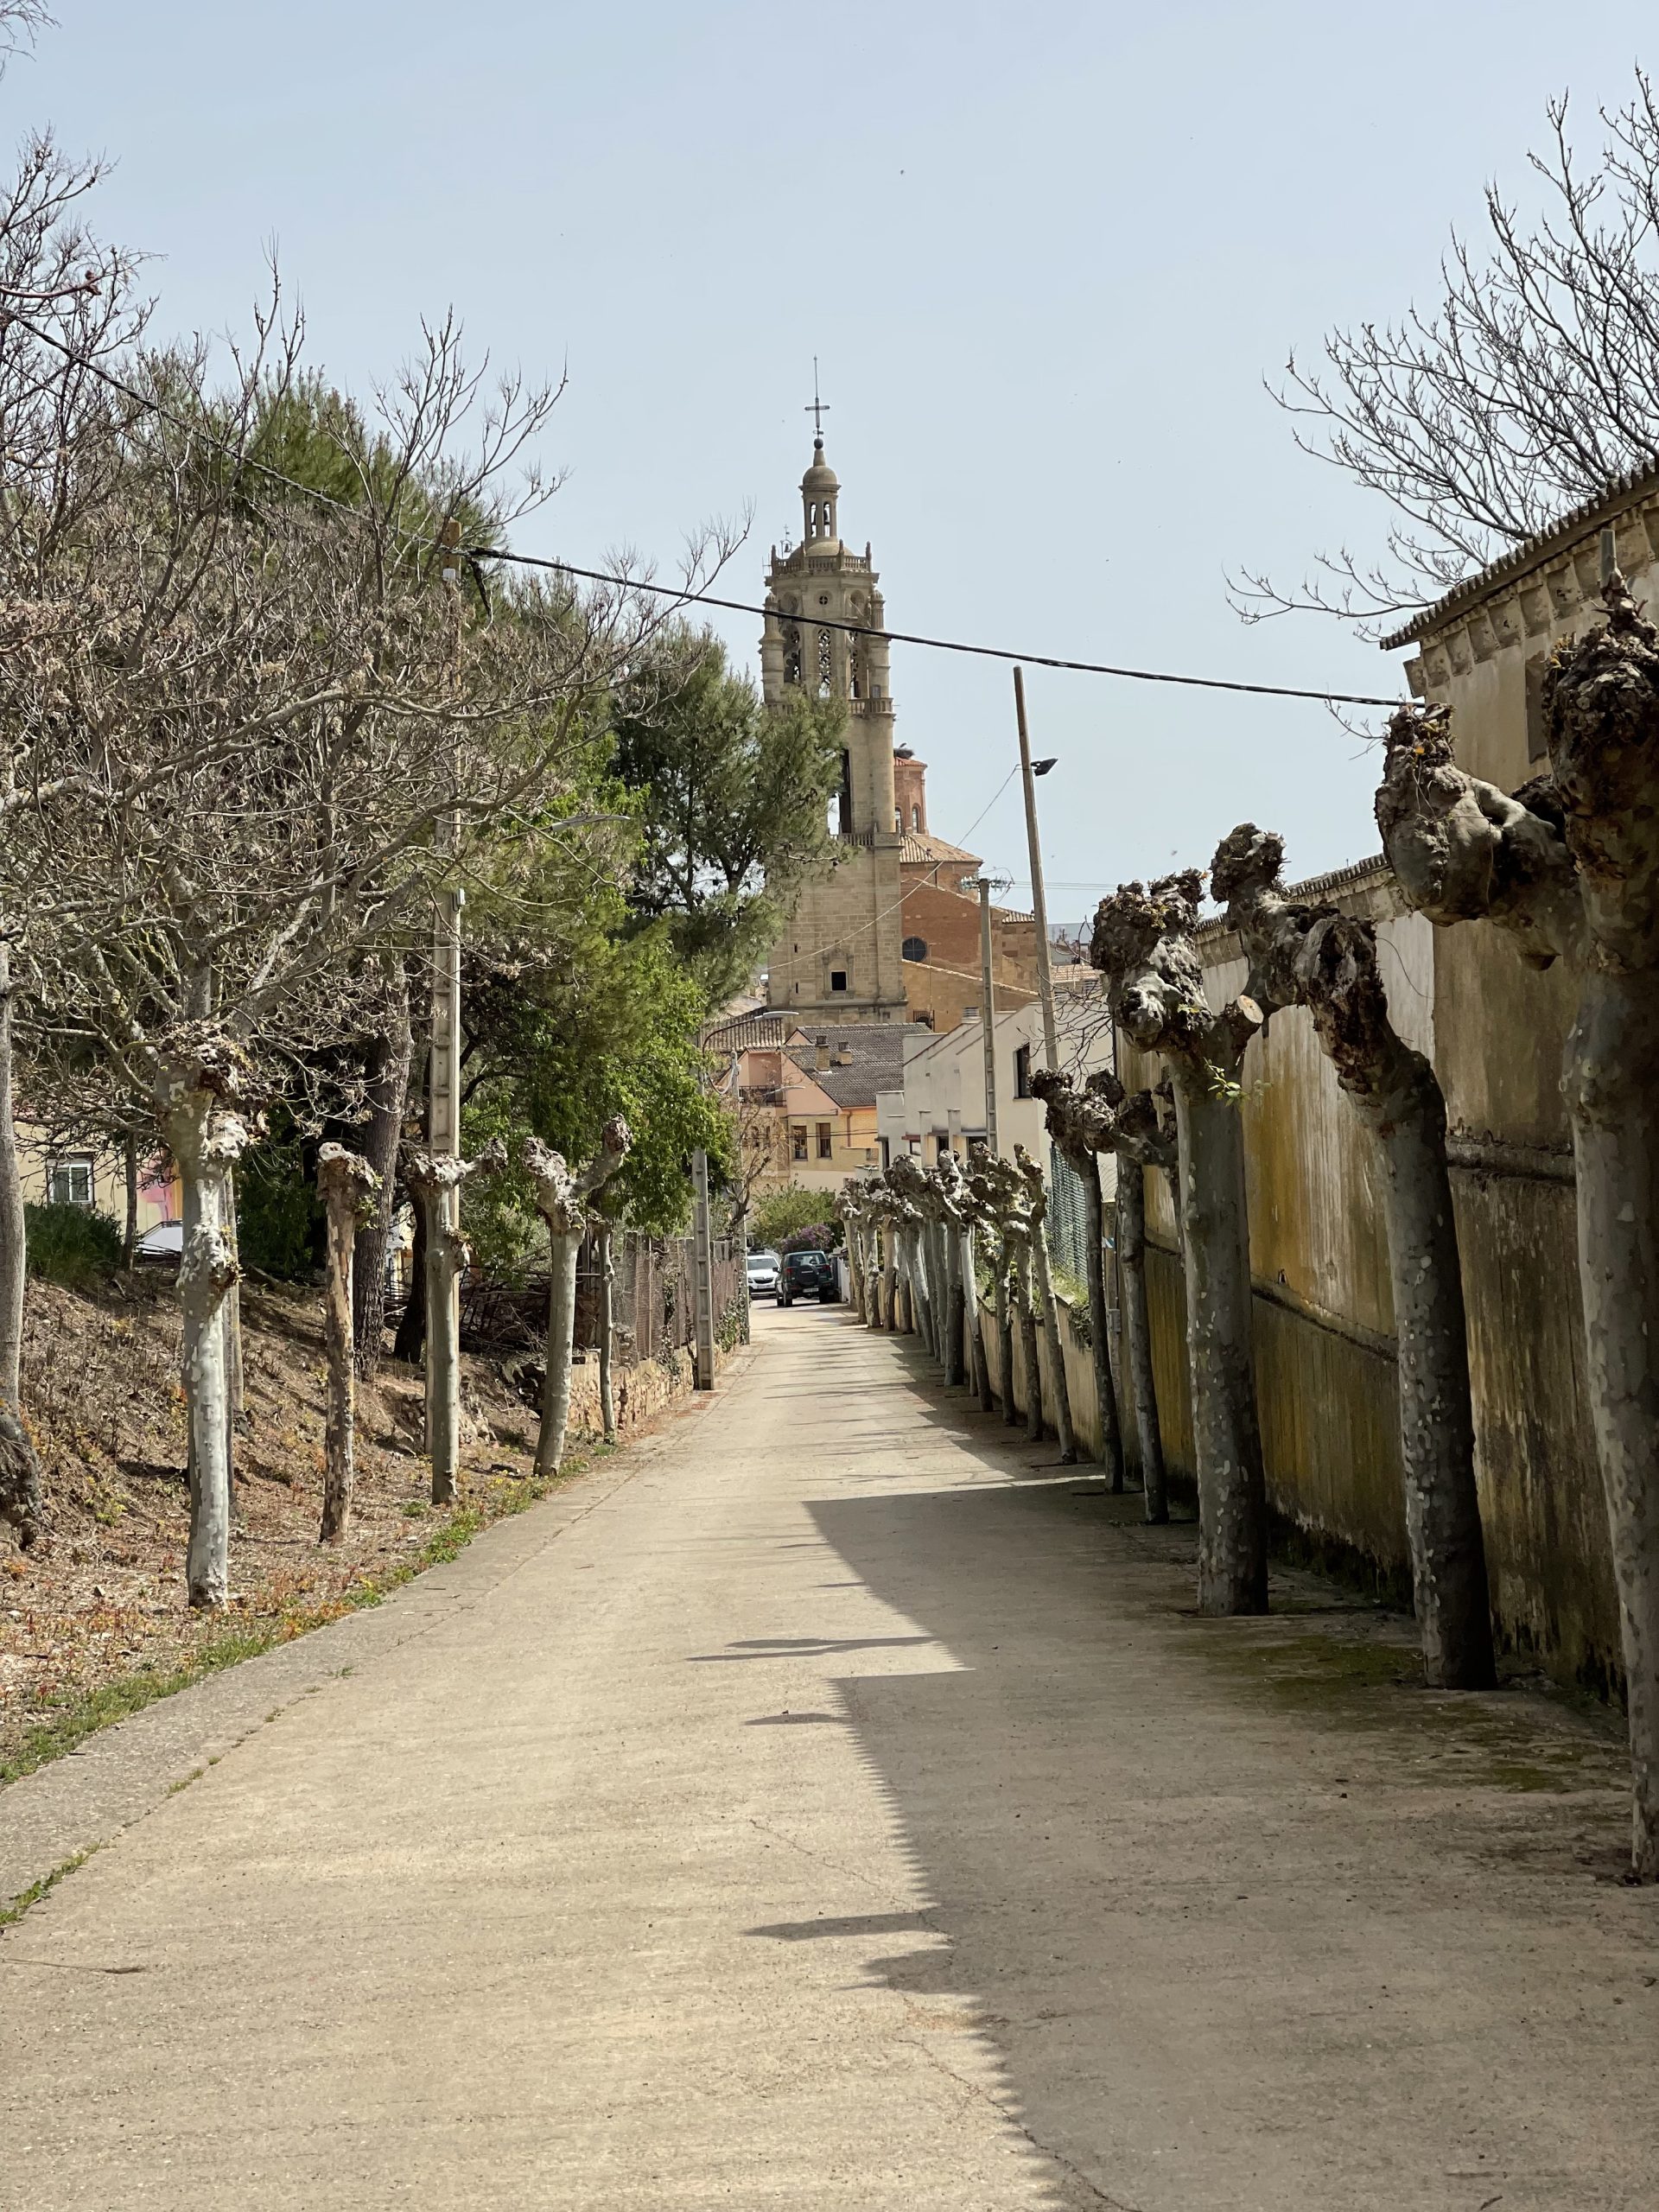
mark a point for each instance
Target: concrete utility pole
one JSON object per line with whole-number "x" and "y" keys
{"x": 987, "y": 1012}
{"x": 703, "y": 1265}
{"x": 443, "y": 1116}
{"x": 1039, "y": 900}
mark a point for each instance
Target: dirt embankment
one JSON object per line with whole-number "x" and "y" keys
{"x": 102, "y": 1599}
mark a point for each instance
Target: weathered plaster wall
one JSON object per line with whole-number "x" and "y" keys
{"x": 1323, "y": 1320}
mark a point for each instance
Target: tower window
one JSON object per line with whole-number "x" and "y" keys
{"x": 837, "y": 979}
{"x": 915, "y": 818}
{"x": 826, "y": 667}
{"x": 913, "y": 948}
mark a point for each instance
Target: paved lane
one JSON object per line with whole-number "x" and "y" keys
{"x": 841, "y": 1812}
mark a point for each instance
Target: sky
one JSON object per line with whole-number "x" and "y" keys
{"x": 1046, "y": 257}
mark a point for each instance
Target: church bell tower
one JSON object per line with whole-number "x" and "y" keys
{"x": 839, "y": 958}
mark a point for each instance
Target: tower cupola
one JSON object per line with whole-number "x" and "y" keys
{"x": 820, "y": 489}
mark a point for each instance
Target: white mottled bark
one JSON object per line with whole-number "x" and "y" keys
{"x": 347, "y": 1183}
{"x": 1227, "y": 1441}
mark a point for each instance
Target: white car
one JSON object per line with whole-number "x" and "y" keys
{"x": 763, "y": 1273}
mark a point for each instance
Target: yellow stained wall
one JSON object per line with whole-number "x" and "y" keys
{"x": 1323, "y": 1321}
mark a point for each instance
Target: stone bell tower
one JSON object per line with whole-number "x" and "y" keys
{"x": 839, "y": 958}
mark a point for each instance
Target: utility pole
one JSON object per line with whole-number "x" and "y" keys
{"x": 743, "y": 1190}
{"x": 703, "y": 1268}
{"x": 987, "y": 1013}
{"x": 1039, "y": 899}
{"x": 443, "y": 1110}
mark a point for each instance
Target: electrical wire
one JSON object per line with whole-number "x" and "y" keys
{"x": 938, "y": 645}
{"x": 474, "y": 553}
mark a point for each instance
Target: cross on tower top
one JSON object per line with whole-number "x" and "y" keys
{"x": 817, "y": 408}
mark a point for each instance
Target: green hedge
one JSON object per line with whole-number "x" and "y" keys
{"x": 71, "y": 1244}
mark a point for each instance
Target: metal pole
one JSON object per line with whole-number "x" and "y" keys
{"x": 1039, "y": 901}
{"x": 704, "y": 1261}
{"x": 443, "y": 1114}
{"x": 743, "y": 1186}
{"x": 987, "y": 1012}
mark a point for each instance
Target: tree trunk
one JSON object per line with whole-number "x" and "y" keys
{"x": 207, "y": 1272}
{"x": 1612, "y": 1087}
{"x": 1005, "y": 1340}
{"x": 1227, "y": 1443}
{"x": 388, "y": 1097}
{"x": 130, "y": 1231}
{"x": 1137, "y": 1334}
{"x": 340, "y": 1426}
{"x": 1100, "y": 1315}
{"x": 606, "y": 1258}
{"x": 955, "y": 1316}
{"x": 13, "y": 1253}
{"x": 441, "y": 1349}
{"x": 1045, "y": 1289}
{"x": 563, "y": 1250}
{"x": 348, "y": 1185}
{"x": 1028, "y": 1334}
{"x": 889, "y": 1316}
{"x": 230, "y": 1321}
{"x": 982, "y": 1366}
{"x": 1437, "y": 1435}
{"x": 921, "y": 1319}
{"x": 410, "y": 1344}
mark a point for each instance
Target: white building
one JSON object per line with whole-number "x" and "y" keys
{"x": 942, "y": 1105}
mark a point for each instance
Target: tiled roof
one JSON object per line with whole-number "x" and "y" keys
{"x": 745, "y": 1033}
{"x": 1623, "y": 493}
{"x": 877, "y": 1061}
{"x": 919, "y": 847}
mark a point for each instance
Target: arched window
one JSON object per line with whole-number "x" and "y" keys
{"x": 913, "y": 948}
{"x": 915, "y": 818}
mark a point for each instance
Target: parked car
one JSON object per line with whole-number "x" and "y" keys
{"x": 809, "y": 1274}
{"x": 763, "y": 1273}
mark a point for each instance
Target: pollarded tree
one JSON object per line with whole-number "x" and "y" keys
{"x": 1031, "y": 1176}
{"x": 907, "y": 1179}
{"x": 1569, "y": 867}
{"x": 1142, "y": 945}
{"x": 565, "y": 1198}
{"x": 348, "y": 1187}
{"x": 1132, "y": 1126}
{"x": 1070, "y": 1115}
{"x": 232, "y": 738}
{"x": 1317, "y": 958}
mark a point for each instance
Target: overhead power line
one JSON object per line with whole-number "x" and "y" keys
{"x": 477, "y": 553}
{"x": 937, "y": 644}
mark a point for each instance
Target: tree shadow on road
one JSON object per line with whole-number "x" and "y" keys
{"x": 1204, "y": 1885}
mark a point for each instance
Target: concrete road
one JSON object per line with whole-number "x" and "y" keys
{"x": 839, "y": 1808}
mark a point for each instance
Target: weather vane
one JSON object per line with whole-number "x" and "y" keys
{"x": 818, "y": 409}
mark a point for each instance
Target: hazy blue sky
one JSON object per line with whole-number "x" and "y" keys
{"x": 1046, "y": 255}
